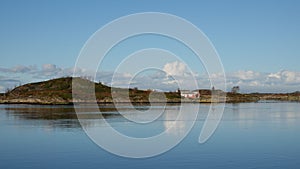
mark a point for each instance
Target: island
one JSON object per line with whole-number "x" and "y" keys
{"x": 59, "y": 91}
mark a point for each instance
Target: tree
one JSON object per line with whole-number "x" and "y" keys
{"x": 178, "y": 91}
{"x": 7, "y": 90}
{"x": 235, "y": 89}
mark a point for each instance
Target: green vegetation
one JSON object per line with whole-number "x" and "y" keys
{"x": 59, "y": 91}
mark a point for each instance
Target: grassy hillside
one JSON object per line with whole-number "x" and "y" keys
{"x": 59, "y": 91}
{"x": 53, "y": 91}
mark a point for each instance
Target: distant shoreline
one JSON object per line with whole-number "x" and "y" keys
{"x": 139, "y": 103}
{"x": 59, "y": 92}
{"x": 206, "y": 99}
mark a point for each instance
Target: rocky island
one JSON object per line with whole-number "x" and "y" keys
{"x": 59, "y": 91}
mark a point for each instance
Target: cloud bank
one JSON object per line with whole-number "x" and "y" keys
{"x": 167, "y": 79}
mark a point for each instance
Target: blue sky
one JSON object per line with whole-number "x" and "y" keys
{"x": 258, "y": 36}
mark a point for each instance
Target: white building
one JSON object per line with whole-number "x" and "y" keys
{"x": 190, "y": 94}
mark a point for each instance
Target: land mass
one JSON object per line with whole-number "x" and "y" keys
{"x": 59, "y": 91}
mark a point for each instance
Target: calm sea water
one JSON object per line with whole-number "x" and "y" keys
{"x": 250, "y": 135}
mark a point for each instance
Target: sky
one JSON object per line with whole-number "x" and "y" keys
{"x": 257, "y": 41}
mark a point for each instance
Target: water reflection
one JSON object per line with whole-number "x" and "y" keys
{"x": 53, "y": 116}
{"x": 250, "y": 135}
{"x": 246, "y": 114}
{"x": 173, "y": 126}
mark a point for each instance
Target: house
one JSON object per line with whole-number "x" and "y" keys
{"x": 190, "y": 94}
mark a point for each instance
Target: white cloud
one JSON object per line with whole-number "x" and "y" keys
{"x": 21, "y": 69}
{"x": 290, "y": 77}
{"x": 175, "y": 68}
{"x": 175, "y": 73}
{"x": 274, "y": 75}
{"x": 246, "y": 75}
{"x": 18, "y": 69}
{"x": 50, "y": 67}
{"x": 20, "y": 74}
{"x": 251, "y": 81}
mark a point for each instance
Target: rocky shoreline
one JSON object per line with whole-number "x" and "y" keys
{"x": 230, "y": 98}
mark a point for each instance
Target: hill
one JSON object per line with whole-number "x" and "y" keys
{"x": 59, "y": 91}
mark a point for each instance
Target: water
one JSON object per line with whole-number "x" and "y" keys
{"x": 250, "y": 135}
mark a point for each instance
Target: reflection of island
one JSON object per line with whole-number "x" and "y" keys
{"x": 45, "y": 117}
{"x": 59, "y": 91}
{"x": 58, "y": 116}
